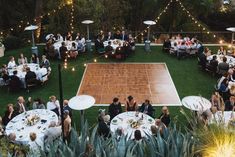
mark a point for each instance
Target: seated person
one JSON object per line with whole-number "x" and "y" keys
{"x": 9, "y": 114}
{"x": 73, "y": 51}
{"x": 53, "y": 132}
{"x": 207, "y": 51}
{"x": 165, "y": 116}
{"x": 34, "y": 59}
{"x": 99, "y": 46}
{"x": 202, "y": 60}
{"x": 115, "y": 108}
{"x": 137, "y": 135}
{"x": 81, "y": 45}
{"x": 221, "y": 51}
{"x": 147, "y": 108}
{"x": 213, "y": 64}
{"x": 63, "y": 51}
{"x": 161, "y": 126}
{"x": 54, "y": 105}
{"x": 182, "y": 50}
{"x": 22, "y": 59}
{"x": 38, "y": 104}
{"x": 229, "y": 104}
{"x": 109, "y": 36}
{"x": 30, "y": 77}
{"x": 216, "y": 100}
{"x": 131, "y": 104}
{"x": 34, "y": 145}
{"x": 126, "y": 49}
{"x": 174, "y": 49}
{"x": 223, "y": 67}
{"x": 154, "y": 130}
{"x": 14, "y": 83}
{"x": 131, "y": 42}
{"x": 109, "y": 48}
{"x": 59, "y": 37}
{"x": 42, "y": 74}
{"x": 11, "y": 64}
{"x": 166, "y": 45}
{"x": 45, "y": 62}
{"x": 103, "y": 128}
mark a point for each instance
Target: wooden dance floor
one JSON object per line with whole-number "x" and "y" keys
{"x": 141, "y": 80}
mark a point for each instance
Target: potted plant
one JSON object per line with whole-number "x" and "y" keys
{"x": 2, "y": 48}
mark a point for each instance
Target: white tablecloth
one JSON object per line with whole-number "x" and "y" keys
{"x": 230, "y": 59}
{"x": 196, "y": 103}
{"x": 21, "y": 73}
{"x": 218, "y": 117}
{"x": 18, "y": 125}
{"x": 123, "y": 120}
{"x": 68, "y": 44}
{"x": 114, "y": 43}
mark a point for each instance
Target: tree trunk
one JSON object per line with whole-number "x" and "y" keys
{"x": 38, "y": 13}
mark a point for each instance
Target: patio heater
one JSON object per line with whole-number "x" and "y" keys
{"x": 88, "y": 41}
{"x": 147, "y": 42}
{"x": 232, "y": 29}
{"x": 32, "y": 28}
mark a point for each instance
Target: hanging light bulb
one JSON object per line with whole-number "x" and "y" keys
{"x": 221, "y": 41}
{"x": 84, "y": 64}
{"x": 95, "y": 60}
{"x": 229, "y": 45}
{"x": 106, "y": 56}
{"x": 65, "y": 66}
{"x": 73, "y": 69}
{"x": 214, "y": 35}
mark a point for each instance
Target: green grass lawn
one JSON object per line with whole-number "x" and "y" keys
{"x": 188, "y": 79}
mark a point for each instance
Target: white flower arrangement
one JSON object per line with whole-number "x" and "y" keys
{"x": 32, "y": 119}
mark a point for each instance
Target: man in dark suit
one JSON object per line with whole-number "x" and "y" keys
{"x": 30, "y": 77}
{"x": 15, "y": 82}
{"x": 223, "y": 67}
{"x": 109, "y": 36}
{"x": 213, "y": 64}
{"x": 147, "y": 108}
{"x": 124, "y": 36}
{"x": 115, "y": 108}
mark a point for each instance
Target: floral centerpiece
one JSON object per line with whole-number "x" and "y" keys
{"x": 32, "y": 119}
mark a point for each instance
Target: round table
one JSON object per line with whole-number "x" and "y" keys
{"x": 230, "y": 59}
{"x": 223, "y": 118}
{"x": 114, "y": 43}
{"x": 196, "y": 103}
{"x": 21, "y": 72}
{"x": 124, "y": 120}
{"x": 68, "y": 44}
{"x": 19, "y": 126}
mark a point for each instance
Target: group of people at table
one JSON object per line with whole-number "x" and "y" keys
{"x": 182, "y": 46}
{"x": 118, "y": 45}
{"x": 35, "y": 138}
{"x": 131, "y": 108}
{"x": 25, "y": 72}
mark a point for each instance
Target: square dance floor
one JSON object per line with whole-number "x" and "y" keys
{"x": 141, "y": 80}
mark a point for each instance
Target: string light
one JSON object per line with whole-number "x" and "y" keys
{"x": 221, "y": 41}
{"x": 106, "y": 56}
{"x": 95, "y": 60}
{"x": 73, "y": 69}
{"x": 84, "y": 64}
